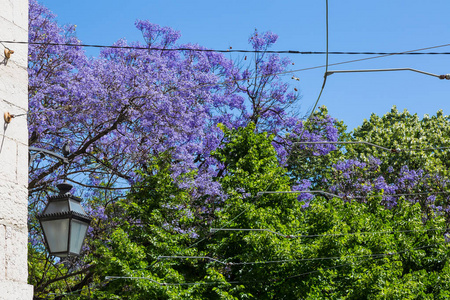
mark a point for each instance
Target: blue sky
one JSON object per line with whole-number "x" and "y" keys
{"x": 383, "y": 25}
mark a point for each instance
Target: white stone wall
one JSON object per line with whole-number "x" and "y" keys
{"x": 14, "y": 153}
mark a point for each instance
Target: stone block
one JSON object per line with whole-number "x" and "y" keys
{"x": 10, "y": 290}
{"x": 10, "y": 30}
{"x": 16, "y": 257}
{"x": 19, "y": 59}
{"x": 8, "y": 160}
{"x": 7, "y": 11}
{"x": 2, "y": 252}
{"x": 22, "y": 166}
{"x": 14, "y": 85}
{"x": 17, "y": 129}
{"x": 14, "y": 206}
{"x": 20, "y": 13}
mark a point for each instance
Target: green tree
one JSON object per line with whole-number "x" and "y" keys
{"x": 279, "y": 247}
{"x": 402, "y": 130}
{"x": 314, "y": 161}
{"x": 156, "y": 219}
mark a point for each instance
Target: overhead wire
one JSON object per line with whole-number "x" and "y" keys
{"x": 166, "y": 283}
{"x": 329, "y": 268}
{"x": 300, "y": 192}
{"x": 290, "y": 260}
{"x": 1, "y": 42}
{"x": 374, "y": 257}
{"x": 230, "y": 50}
{"x": 227, "y": 282}
{"x": 295, "y": 236}
{"x": 393, "y": 150}
{"x": 236, "y": 282}
{"x": 353, "y": 197}
{"x": 223, "y": 226}
{"x": 326, "y": 70}
{"x": 368, "y": 256}
{"x": 324, "y": 81}
{"x": 64, "y": 107}
{"x": 77, "y": 292}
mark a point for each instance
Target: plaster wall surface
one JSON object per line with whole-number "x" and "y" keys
{"x": 14, "y": 153}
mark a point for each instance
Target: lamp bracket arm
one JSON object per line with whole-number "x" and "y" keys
{"x": 65, "y": 160}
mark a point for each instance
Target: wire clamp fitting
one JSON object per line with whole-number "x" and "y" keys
{"x": 7, "y": 117}
{"x": 8, "y": 53}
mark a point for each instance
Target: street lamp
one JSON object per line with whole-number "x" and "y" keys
{"x": 64, "y": 223}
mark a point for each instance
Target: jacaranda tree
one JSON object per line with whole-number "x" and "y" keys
{"x": 136, "y": 103}
{"x": 167, "y": 145}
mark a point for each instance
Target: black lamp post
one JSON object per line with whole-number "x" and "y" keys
{"x": 64, "y": 223}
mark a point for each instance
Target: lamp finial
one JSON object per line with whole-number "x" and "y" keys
{"x": 64, "y": 188}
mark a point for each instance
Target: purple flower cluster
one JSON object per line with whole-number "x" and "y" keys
{"x": 262, "y": 41}
{"x": 316, "y": 129}
{"x": 127, "y": 106}
{"x": 304, "y": 186}
{"x": 356, "y": 180}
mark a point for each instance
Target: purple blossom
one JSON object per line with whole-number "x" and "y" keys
{"x": 262, "y": 41}
{"x": 303, "y": 186}
{"x": 447, "y": 237}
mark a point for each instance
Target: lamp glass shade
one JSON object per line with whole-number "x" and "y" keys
{"x": 77, "y": 233}
{"x": 56, "y": 207}
{"x": 57, "y": 234}
{"x": 76, "y": 207}
{"x": 64, "y": 223}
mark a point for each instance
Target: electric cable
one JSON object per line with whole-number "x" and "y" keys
{"x": 324, "y": 76}
{"x": 121, "y": 277}
{"x": 1, "y": 42}
{"x": 353, "y": 197}
{"x": 167, "y": 283}
{"x": 329, "y": 268}
{"x": 300, "y": 192}
{"x": 76, "y": 292}
{"x": 378, "y": 256}
{"x": 240, "y": 282}
{"x": 368, "y": 256}
{"x": 393, "y": 150}
{"x": 65, "y": 107}
{"x": 294, "y": 236}
{"x": 289, "y": 260}
{"x": 231, "y": 282}
{"x": 223, "y": 50}
{"x": 444, "y": 76}
{"x": 223, "y": 226}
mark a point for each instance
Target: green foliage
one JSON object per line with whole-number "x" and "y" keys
{"x": 250, "y": 162}
{"x": 402, "y": 130}
{"x": 304, "y": 163}
{"x": 381, "y": 251}
{"x": 252, "y": 167}
{"x": 155, "y": 220}
{"x": 331, "y": 249}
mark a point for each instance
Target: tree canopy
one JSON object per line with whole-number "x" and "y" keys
{"x": 195, "y": 170}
